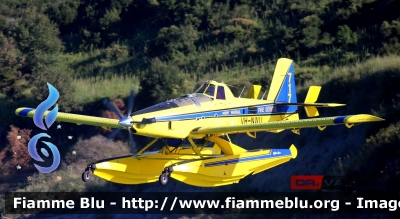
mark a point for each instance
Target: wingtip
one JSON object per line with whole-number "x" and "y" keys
{"x": 372, "y": 118}
{"x": 17, "y": 111}
{"x": 336, "y": 104}
{"x": 363, "y": 118}
{"x": 23, "y": 111}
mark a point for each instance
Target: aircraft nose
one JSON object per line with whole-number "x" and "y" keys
{"x": 126, "y": 121}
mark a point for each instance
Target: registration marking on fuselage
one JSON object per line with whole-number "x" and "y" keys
{"x": 252, "y": 120}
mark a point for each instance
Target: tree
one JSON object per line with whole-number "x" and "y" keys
{"x": 110, "y": 23}
{"x": 175, "y": 38}
{"x": 3, "y": 23}
{"x": 311, "y": 30}
{"x": 12, "y": 81}
{"x": 241, "y": 28}
{"x": 16, "y": 153}
{"x": 345, "y": 36}
{"x": 64, "y": 13}
{"x": 37, "y": 38}
{"x": 57, "y": 77}
{"x": 160, "y": 83}
{"x": 391, "y": 34}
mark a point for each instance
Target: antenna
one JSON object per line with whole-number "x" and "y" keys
{"x": 264, "y": 94}
{"x": 242, "y": 91}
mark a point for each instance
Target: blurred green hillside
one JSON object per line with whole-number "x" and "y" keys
{"x": 92, "y": 49}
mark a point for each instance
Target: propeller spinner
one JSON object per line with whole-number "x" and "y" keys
{"x": 125, "y": 121}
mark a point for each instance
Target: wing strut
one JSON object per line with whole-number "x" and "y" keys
{"x": 227, "y": 147}
{"x": 194, "y": 147}
{"x": 146, "y": 147}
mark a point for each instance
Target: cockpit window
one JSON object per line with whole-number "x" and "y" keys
{"x": 210, "y": 90}
{"x": 221, "y": 93}
{"x": 201, "y": 89}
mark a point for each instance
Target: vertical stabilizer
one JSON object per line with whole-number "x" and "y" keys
{"x": 283, "y": 87}
{"x": 312, "y": 97}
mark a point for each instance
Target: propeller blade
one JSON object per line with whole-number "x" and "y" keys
{"x": 113, "y": 133}
{"x": 112, "y": 108}
{"x": 131, "y": 101}
{"x": 132, "y": 143}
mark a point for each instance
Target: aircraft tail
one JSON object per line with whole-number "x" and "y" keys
{"x": 283, "y": 92}
{"x": 312, "y": 97}
{"x": 283, "y": 87}
{"x": 310, "y": 104}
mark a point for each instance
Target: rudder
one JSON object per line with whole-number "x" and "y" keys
{"x": 283, "y": 87}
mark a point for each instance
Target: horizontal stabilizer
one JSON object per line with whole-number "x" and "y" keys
{"x": 309, "y": 103}
{"x": 312, "y": 104}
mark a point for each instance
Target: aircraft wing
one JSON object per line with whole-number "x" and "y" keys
{"x": 73, "y": 118}
{"x": 289, "y": 124}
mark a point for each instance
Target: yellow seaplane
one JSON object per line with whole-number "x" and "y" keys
{"x": 195, "y": 129}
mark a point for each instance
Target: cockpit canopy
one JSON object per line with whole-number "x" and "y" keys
{"x": 209, "y": 91}
{"x": 215, "y": 90}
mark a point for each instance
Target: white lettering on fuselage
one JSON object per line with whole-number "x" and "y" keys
{"x": 276, "y": 152}
{"x": 266, "y": 109}
{"x": 235, "y": 112}
{"x": 232, "y": 112}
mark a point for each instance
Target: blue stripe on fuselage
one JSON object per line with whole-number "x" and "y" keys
{"x": 267, "y": 109}
{"x": 231, "y": 112}
{"x": 274, "y": 153}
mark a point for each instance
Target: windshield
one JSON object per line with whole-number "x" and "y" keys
{"x": 201, "y": 88}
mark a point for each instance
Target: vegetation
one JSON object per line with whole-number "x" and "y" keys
{"x": 55, "y": 41}
{"x": 92, "y": 49}
{"x": 379, "y": 154}
{"x": 16, "y": 154}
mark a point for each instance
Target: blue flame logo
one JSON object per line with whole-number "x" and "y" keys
{"x": 44, "y": 106}
{"x": 49, "y": 119}
{"x": 34, "y": 154}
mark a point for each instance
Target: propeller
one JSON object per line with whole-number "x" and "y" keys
{"x": 125, "y": 121}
